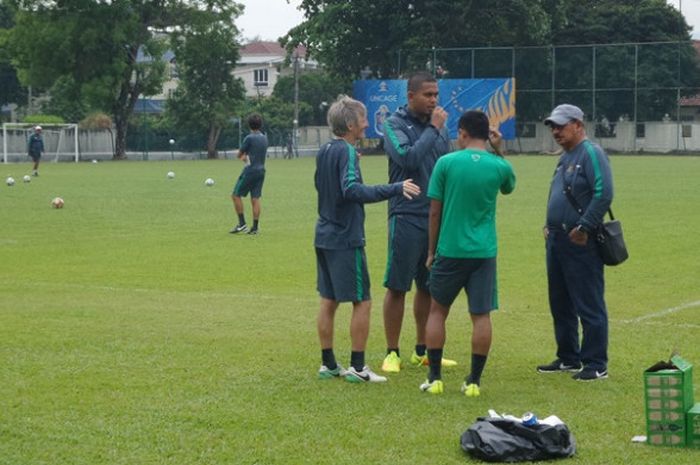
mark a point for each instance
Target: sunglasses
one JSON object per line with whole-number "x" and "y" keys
{"x": 559, "y": 126}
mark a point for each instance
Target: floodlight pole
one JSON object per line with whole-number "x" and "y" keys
{"x": 4, "y": 144}
{"x": 295, "y": 129}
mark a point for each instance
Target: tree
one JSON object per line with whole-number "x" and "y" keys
{"x": 10, "y": 88}
{"x": 208, "y": 94}
{"x": 348, "y": 37}
{"x": 665, "y": 59}
{"x": 278, "y": 115}
{"x": 111, "y": 49}
{"x": 316, "y": 89}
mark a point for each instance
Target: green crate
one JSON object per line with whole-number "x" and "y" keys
{"x": 693, "y": 426}
{"x": 668, "y": 395}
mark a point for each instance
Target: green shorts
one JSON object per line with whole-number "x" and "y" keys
{"x": 477, "y": 276}
{"x": 250, "y": 181}
{"x": 342, "y": 274}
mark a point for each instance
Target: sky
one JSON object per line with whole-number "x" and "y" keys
{"x": 270, "y": 19}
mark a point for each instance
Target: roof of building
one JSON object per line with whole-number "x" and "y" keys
{"x": 269, "y": 48}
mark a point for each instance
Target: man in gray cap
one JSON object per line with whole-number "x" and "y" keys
{"x": 580, "y": 193}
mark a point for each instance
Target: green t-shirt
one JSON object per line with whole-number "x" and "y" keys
{"x": 467, "y": 183}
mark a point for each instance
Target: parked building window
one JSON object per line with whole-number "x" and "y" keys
{"x": 260, "y": 77}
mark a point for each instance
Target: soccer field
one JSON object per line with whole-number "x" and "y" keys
{"x": 134, "y": 329}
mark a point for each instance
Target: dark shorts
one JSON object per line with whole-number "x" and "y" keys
{"x": 407, "y": 252}
{"x": 35, "y": 156}
{"x": 342, "y": 274}
{"x": 249, "y": 181}
{"x": 477, "y": 276}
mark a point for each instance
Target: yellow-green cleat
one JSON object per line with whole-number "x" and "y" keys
{"x": 470, "y": 390}
{"x": 422, "y": 360}
{"x": 436, "y": 387}
{"x": 392, "y": 363}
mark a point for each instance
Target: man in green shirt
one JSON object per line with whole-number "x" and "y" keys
{"x": 462, "y": 244}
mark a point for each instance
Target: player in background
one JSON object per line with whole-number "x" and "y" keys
{"x": 253, "y": 152}
{"x": 35, "y": 148}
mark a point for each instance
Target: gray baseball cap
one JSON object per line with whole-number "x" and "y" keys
{"x": 564, "y": 114}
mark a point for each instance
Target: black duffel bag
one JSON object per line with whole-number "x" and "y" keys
{"x": 502, "y": 440}
{"x": 610, "y": 242}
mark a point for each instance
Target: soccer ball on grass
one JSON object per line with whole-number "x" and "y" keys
{"x": 10, "y": 181}
{"x": 171, "y": 174}
{"x": 27, "y": 178}
{"x": 209, "y": 182}
{"x": 57, "y": 202}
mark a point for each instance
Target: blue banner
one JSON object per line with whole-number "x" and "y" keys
{"x": 495, "y": 97}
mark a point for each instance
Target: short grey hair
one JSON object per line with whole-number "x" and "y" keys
{"x": 344, "y": 111}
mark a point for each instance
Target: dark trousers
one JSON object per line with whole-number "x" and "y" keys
{"x": 576, "y": 293}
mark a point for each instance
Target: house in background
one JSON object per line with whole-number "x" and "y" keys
{"x": 260, "y": 64}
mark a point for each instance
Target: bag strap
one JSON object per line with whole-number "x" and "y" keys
{"x": 572, "y": 200}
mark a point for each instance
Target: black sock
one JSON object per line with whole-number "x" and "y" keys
{"x": 478, "y": 363}
{"x": 390, "y": 350}
{"x": 357, "y": 360}
{"x": 241, "y": 219}
{"x": 420, "y": 349}
{"x": 328, "y": 359}
{"x": 435, "y": 359}
{"x": 255, "y": 224}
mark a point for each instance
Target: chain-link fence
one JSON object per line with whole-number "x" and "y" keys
{"x": 638, "y": 96}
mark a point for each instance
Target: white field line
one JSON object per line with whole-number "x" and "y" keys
{"x": 256, "y": 296}
{"x": 666, "y": 311}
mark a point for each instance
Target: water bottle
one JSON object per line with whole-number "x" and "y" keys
{"x": 529, "y": 419}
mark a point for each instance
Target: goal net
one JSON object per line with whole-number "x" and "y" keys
{"x": 60, "y": 141}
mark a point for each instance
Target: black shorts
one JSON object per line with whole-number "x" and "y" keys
{"x": 477, "y": 276}
{"x": 249, "y": 181}
{"x": 35, "y": 156}
{"x": 407, "y": 252}
{"x": 342, "y": 274}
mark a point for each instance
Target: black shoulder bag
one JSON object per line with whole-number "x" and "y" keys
{"x": 608, "y": 236}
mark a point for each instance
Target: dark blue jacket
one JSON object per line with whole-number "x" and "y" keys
{"x": 35, "y": 144}
{"x": 587, "y": 170}
{"x": 341, "y": 195}
{"x": 413, "y": 147}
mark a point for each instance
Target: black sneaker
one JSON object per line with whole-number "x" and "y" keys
{"x": 558, "y": 366}
{"x": 253, "y": 232}
{"x": 590, "y": 374}
{"x": 239, "y": 229}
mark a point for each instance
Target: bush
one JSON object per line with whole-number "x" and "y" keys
{"x": 43, "y": 119}
{"x": 96, "y": 120}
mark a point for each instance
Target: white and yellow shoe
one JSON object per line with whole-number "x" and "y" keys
{"x": 436, "y": 387}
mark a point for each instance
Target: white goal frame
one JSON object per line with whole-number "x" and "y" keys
{"x": 46, "y": 127}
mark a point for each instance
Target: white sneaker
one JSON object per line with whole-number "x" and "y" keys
{"x": 326, "y": 373}
{"x": 364, "y": 376}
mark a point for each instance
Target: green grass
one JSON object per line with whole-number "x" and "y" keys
{"x": 135, "y": 330}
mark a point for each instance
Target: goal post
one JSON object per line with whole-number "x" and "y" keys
{"x": 60, "y": 141}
